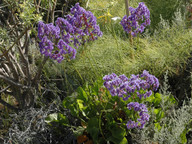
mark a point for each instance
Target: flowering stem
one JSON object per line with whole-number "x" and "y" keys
{"x": 38, "y": 74}
{"x": 127, "y": 13}
{"x": 137, "y": 42}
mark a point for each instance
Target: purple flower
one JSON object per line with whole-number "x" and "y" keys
{"x": 84, "y": 23}
{"x": 121, "y": 86}
{"x": 131, "y": 124}
{"x": 144, "y": 116}
{"x": 79, "y": 27}
{"x": 137, "y": 21}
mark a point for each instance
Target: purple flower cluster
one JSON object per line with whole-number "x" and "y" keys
{"x": 144, "y": 116}
{"x": 51, "y": 44}
{"x": 140, "y": 85}
{"x": 137, "y": 21}
{"x": 78, "y": 27}
{"x": 84, "y": 23}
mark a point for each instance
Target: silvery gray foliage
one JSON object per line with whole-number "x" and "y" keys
{"x": 29, "y": 127}
{"x": 173, "y": 124}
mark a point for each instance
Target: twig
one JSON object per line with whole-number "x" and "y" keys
{"x": 24, "y": 60}
{"x": 48, "y": 11}
{"x": 38, "y": 5}
{"x": 1, "y": 91}
{"x": 8, "y": 105}
{"x": 127, "y": 13}
{"x": 12, "y": 66}
{"x": 53, "y": 9}
{"x": 16, "y": 41}
{"x": 12, "y": 82}
{"x": 17, "y": 64}
{"x": 6, "y": 69}
{"x": 38, "y": 74}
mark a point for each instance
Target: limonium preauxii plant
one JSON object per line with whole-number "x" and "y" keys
{"x": 79, "y": 27}
{"x": 140, "y": 86}
{"x": 137, "y": 21}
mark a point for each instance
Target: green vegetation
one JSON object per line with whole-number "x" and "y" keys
{"x": 67, "y": 101}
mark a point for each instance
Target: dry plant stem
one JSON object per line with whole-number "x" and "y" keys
{"x": 26, "y": 44}
{"x": 16, "y": 41}
{"x": 38, "y": 74}
{"x": 11, "y": 81}
{"x": 65, "y": 8}
{"x": 5, "y": 103}
{"x": 37, "y": 5}
{"x": 48, "y": 11}
{"x": 3, "y": 72}
{"x": 127, "y": 13}
{"x": 8, "y": 105}
{"x": 6, "y": 69}
{"x": 17, "y": 65}
{"x": 12, "y": 67}
{"x": 130, "y": 36}
{"x": 25, "y": 62}
{"x": 52, "y": 11}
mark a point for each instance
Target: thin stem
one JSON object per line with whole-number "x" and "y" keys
{"x": 16, "y": 41}
{"x": 53, "y": 9}
{"x": 38, "y": 74}
{"x": 127, "y": 13}
{"x": 7, "y": 104}
{"x": 12, "y": 82}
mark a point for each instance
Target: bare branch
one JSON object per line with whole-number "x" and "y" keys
{"x": 3, "y": 72}
{"x": 38, "y": 5}
{"x": 26, "y": 43}
{"x": 38, "y": 74}
{"x": 12, "y": 82}
{"x": 8, "y": 105}
{"x": 53, "y": 9}
{"x": 1, "y": 91}
{"x": 16, "y": 41}
{"x": 17, "y": 64}
{"x": 12, "y": 66}
{"x": 6, "y": 68}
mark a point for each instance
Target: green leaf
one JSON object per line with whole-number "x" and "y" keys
{"x": 151, "y": 98}
{"x": 93, "y": 128}
{"x": 117, "y": 141}
{"x": 79, "y": 131}
{"x": 158, "y": 126}
{"x": 82, "y": 108}
{"x": 52, "y": 117}
{"x": 62, "y": 119}
{"x": 157, "y": 99}
{"x": 80, "y": 104}
{"x": 183, "y": 136}
{"x": 93, "y": 122}
{"x": 73, "y": 110}
{"x": 94, "y": 132}
{"x": 82, "y": 94}
{"x": 172, "y": 99}
{"x": 159, "y": 113}
{"x": 124, "y": 141}
{"x": 69, "y": 100}
{"x": 109, "y": 117}
{"x": 117, "y": 132}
